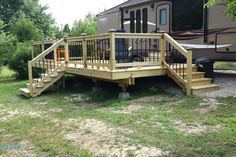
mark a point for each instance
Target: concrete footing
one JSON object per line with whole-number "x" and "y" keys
{"x": 124, "y": 95}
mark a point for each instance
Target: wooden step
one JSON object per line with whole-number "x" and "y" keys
{"x": 201, "y": 81}
{"x": 195, "y": 75}
{"x": 25, "y": 92}
{"x": 204, "y": 88}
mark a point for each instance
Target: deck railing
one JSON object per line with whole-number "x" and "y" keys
{"x": 120, "y": 50}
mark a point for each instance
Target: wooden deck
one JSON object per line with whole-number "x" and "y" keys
{"x": 114, "y": 57}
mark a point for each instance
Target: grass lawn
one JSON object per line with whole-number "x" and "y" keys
{"x": 6, "y": 73}
{"x": 77, "y": 122}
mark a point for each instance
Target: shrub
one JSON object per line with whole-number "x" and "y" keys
{"x": 19, "y": 60}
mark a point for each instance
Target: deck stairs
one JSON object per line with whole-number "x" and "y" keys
{"x": 200, "y": 83}
{"x": 42, "y": 84}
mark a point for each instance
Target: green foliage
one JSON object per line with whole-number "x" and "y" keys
{"x": 231, "y": 6}
{"x": 88, "y": 25}
{"x": 66, "y": 28}
{"x": 7, "y": 45}
{"x": 37, "y": 14}
{"x": 20, "y": 59}
{"x": 25, "y": 30}
{"x": 9, "y": 9}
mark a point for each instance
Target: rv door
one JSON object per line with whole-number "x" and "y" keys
{"x": 163, "y": 17}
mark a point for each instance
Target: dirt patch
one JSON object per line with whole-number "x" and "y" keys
{"x": 137, "y": 104}
{"x": 56, "y": 110}
{"x": 101, "y": 139}
{"x": 24, "y": 148}
{"x": 209, "y": 104}
{"x": 196, "y": 129}
{"x": 11, "y": 114}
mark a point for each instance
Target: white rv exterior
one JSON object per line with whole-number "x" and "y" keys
{"x": 207, "y": 31}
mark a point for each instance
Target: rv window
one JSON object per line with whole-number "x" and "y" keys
{"x": 163, "y": 16}
{"x": 187, "y": 15}
{"x": 138, "y": 21}
{"x": 145, "y": 20}
{"x": 132, "y": 26}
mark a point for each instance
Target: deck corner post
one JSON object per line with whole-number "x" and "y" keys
{"x": 189, "y": 73}
{"x": 42, "y": 47}
{"x": 84, "y": 43}
{"x": 30, "y": 75}
{"x": 113, "y": 51}
{"x": 162, "y": 50}
{"x": 66, "y": 51}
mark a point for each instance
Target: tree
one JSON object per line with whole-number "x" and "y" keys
{"x": 7, "y": 45}
{"x": 88, "y": 25}
{"x": 9, "y": 9}
{"x": 25, "y": 30}
{"x": 66, "y": 29}
{"x": 231, "y": 6}
{"x": 37, "y": 14}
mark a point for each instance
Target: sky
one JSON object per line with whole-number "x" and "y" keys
{"x": 67, "y": 11}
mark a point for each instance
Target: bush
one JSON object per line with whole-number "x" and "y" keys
{"x": 19, "y": 60}
{"x": 7, "y": 45}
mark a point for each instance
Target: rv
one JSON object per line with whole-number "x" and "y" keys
{"x": 206, "y": 31}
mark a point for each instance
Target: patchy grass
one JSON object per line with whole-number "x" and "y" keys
{"x": 6, "y": 73}
{"x": 151, "y": 123}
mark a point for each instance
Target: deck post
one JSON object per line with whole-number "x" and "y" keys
{"x": 30, "y": 75}
{"x": 85, "y": 52}
{"x": 162, "y": 50}
{"x": 112, "y": 51}
{"x": 189, "y": 73}
{"x": 55, "y": 52}
{"x": 32, "y": 52}
{"x": 66, "y": 52}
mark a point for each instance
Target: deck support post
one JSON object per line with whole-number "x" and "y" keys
{"x": 112, "y": 51}
{"x": 55, "y": 52}
{"x": 30, "y": 75}
{"x": 163, "y": 50}
{"x": 123, "y": 94}
{"x": 85, "y": 52}
{"x": 66, "y": 52}
{"x": 96, "y": 87}
{"x": 189, "y": 73}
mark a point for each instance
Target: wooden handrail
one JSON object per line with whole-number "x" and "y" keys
{"x": 176, "y": 45}
{"x": 46, "y": 52}
{"x": 138, "y": 35}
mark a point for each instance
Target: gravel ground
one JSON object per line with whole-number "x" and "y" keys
{"x": 227, "y": 81}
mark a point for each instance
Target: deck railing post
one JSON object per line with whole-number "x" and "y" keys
{"x": 30, "y": 75}
{"x": 85, "y": 52}
{"x": 112, "y": 51}
{"x": 189, "y": 72}
{"x": 162, "y": 50}
{"x": 66, "y": 51}
{"x": 55, "y": 52}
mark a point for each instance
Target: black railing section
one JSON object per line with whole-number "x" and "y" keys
{"x": 76, "y": 51}
{"x": 137, "y": 50}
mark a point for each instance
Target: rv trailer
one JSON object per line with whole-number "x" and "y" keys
{"x": 206, "y": 31}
